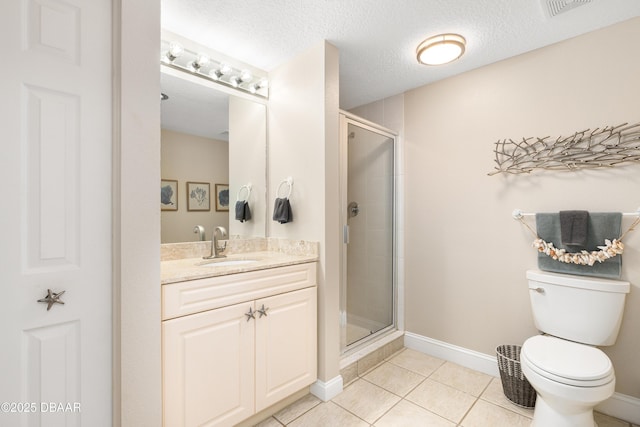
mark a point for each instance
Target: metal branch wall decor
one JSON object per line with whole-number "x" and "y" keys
{"x": 606, "y": 147}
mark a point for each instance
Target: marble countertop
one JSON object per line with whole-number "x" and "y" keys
{"x": 181, "y": 270}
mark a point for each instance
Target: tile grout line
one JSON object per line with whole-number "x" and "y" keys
{"x": 395, "y": 394}
{"x": 308, "y": 410}
{"x": 467, "y": 412}
{"x": 387, "y": 411}
{"x": 358, "y": 417}
{"x": 474, "y": 403}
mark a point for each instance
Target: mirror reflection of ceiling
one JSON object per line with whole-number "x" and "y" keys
{"x": 377, "y": 39}
{"x": 194, "y": 109}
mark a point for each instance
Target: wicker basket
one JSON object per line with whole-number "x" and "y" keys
{"x": 515, "y": 385}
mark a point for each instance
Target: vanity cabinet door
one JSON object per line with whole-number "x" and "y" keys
{"x": 286, "y": 343}
{"x": 208, "y": 364}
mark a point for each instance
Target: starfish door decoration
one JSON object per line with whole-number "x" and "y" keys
{"x": 52, "y": 298}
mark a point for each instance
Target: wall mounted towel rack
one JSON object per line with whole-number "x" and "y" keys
{"x": 517, "y": 214}
{"x": 288, "y": 181}
{"x": 244, "y": 187}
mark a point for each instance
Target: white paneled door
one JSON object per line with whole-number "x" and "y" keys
{"x": 55, "y": 177}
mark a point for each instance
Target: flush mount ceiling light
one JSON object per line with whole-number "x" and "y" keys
{"x": 441, "y": 49}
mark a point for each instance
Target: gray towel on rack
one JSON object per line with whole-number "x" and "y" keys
{"x": 282, "y": 211}
{"x": 601, "y": 226}
{"x": 573, "y": 229}
{"x": 243, "y": 213}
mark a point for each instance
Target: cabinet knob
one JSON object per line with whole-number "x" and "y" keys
{"x": 250, "y": 314}
{"x": 263, "y": 311}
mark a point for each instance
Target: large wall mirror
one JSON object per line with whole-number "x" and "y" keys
{"x": 214, "y": 146}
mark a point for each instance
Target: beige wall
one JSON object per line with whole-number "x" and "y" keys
{"x": 196, "y": 159}
{"x": 465, "y": 256}
{"x": 303, "y": 144}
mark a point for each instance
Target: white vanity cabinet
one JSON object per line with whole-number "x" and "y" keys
{"x": 234, "y": 345}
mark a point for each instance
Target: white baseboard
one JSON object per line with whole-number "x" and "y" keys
{"x": 462, "y": 356}
{"x": 326, "y": 391}
{"x": 619, "y": 405}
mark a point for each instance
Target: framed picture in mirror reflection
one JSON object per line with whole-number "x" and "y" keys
{"x": 198, "y": 196}
{"x": 222, "y": 197}
{"x": 168, "y": 195}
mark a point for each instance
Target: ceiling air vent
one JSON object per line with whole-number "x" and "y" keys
{"x": 556, "y": 7}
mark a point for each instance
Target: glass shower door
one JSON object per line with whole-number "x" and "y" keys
{"x": 368, "y": 300}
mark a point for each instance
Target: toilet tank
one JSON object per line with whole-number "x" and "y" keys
{"x": 578, "y": 308}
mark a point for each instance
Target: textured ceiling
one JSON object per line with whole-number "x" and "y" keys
{"x": 377, "y": 38}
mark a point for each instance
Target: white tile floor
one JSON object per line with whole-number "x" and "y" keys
{"x": 413, "y": 389}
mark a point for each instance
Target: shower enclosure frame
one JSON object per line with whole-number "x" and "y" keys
{"x": 347, "y": 119}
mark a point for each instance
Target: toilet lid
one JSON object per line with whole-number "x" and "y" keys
{"x": 567, "y": 361}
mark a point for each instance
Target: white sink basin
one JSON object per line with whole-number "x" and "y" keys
{"x": 228, "y": 262}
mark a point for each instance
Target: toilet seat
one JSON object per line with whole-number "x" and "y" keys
{"x": 567, "y": 362}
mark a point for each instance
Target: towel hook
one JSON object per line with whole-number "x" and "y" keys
{"x": 248, "y": 188}
{"x": 289, "y": 182}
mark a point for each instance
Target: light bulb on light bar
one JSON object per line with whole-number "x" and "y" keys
{"x": 203, "y": 59}
{"x": 199, "y": 62}
{"x": 225, "y": 68}
{"x": 263, "y": 83}
{"x": 175, "y": 50}
{"x": 235, "y": 81}
{"x": 245, "y": 76}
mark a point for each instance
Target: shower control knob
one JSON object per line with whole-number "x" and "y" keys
{"x": 353, "y": 209}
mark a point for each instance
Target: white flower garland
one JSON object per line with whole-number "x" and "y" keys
{"x": 612, "y": 248}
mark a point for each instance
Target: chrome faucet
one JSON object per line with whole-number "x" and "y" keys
{"x": 216, "y": 251}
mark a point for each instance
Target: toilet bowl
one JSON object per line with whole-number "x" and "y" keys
{"x": 569, "y": 378}
{"x": 569, "y": 374}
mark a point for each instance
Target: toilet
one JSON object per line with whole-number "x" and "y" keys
{"x": 570, "y": 375}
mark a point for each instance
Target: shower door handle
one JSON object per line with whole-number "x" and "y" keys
{"x": 345, "y": 234}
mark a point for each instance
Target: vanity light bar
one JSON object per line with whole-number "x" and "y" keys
{"x": 203, "y": 66}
